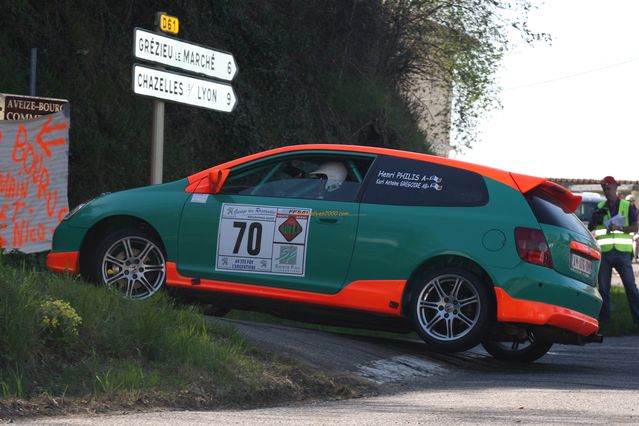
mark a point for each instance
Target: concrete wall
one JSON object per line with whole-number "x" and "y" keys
{"x": 434, "y": 101}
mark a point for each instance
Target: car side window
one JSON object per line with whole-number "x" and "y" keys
{"x": 408, "y": 182}
{"x": 320, "y": 177}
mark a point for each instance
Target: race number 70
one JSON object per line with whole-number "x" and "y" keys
{"x": 253, "y": 239}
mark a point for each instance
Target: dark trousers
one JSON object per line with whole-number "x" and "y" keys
{"x": 622, "y": 262}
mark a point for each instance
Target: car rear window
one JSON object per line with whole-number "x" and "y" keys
{"x": 407, "y": 182}
{"x": 548, "y": 212}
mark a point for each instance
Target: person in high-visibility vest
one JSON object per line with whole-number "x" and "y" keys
{"x": 612, "y": 222}
{"x": 635, "y": 236}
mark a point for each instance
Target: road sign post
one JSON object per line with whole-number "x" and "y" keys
{"x": 157, "y": 123}
{"x": 157, "y": 142}
{"x": 162, "y": 84}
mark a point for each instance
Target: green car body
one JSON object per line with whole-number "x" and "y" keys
{"x": 254, "y": 229}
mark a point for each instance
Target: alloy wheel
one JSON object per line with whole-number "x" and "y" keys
{"x": 134, "y": 266}
{"x": 448, "y": 308}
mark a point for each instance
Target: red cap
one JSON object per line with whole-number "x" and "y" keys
{"x": 609, "y": 180}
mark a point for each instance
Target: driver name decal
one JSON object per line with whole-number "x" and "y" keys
{"x": 409, "y": 180}
{"x": 262, "y": 239}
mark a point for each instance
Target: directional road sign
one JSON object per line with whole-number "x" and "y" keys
{"x": 181, "y": 88}
{"x": 173, "y": 52}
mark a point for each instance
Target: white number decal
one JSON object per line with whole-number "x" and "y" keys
{"x": 262, "y": 239}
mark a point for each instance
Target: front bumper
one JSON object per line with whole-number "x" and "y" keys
{"x": 510, "y": 309}
{"x": 64, "y": 262}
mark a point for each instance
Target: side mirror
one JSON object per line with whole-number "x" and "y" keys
{"x": 217, "y": 177}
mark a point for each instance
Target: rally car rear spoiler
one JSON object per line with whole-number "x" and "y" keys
{"x": 558, "y": 193}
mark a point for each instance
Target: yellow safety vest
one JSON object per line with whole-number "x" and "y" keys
{"x": 618, "y": 240}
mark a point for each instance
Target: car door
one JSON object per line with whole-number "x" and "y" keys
{"x": 280, "y": 222}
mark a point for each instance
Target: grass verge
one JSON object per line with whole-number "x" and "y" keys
{"x": 68, "y": 346}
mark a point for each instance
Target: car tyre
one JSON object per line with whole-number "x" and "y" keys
{"x": 132, "y": 262}
{"x": 452, "y": 309}
{"x": 522, "y": 350}
{"x": 217, "y": 311}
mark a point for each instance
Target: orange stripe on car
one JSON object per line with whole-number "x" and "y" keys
{"x": 510, "y": 309}
{"x": 378, "y": 296}
{"x": 64, "y": 262}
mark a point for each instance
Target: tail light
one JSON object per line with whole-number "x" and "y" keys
{"x": 532, "y": 246}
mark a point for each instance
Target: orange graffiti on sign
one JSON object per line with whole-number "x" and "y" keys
{"x": 30, "y": 205}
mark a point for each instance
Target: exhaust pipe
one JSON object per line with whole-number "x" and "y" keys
{"x": 594, "y": 338}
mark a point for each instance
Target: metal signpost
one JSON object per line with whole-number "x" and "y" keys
{"x": 162, "y": 84}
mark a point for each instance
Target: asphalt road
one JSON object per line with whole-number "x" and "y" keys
{"x": 593, "y": 384}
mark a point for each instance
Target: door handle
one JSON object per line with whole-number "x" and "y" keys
{"x": 329, "y": 220}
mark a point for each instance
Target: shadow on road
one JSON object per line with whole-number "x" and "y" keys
{"x": 397, "y": 362}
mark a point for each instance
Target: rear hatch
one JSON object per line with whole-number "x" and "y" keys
{"x": 573, "y": 250}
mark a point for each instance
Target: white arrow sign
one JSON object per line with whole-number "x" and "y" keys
{"x": 184, "y": 89}
{"x": 176, "y": 53}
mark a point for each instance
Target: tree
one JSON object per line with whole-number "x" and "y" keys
{"x": 457, "y": 43}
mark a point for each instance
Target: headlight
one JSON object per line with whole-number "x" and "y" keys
{"x": 74, "y": 211}
{"x": 79, "y": 206}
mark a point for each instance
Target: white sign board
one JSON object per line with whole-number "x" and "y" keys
{"x": 262, "y": 239}
{"x": 184, "y": 89}
{"x": 33, "y": 181}
{"x": 176, "y": 53}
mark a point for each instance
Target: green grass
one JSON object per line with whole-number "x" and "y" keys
{"x": 94, "y": 342}
{"x": 63, "y": 337}
{"x": 621, "y": 323}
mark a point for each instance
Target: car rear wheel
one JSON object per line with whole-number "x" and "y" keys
{"x": 452, "y": 309}
{"x": 526, "y": 349}
{"x": 132, "y": 262}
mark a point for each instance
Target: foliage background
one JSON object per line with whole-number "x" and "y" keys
{"x": 320, "y": 71}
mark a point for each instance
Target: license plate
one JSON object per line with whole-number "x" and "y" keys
{"x": 580, "y": 264}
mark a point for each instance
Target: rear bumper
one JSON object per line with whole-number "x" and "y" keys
{"x": 64, "y": 262}
{"x": 510, "y": 309}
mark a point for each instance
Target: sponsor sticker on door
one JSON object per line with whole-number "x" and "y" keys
{"x": 262, "y": 239}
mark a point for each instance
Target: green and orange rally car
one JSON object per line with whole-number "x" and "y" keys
{"x": 371, "y": 237}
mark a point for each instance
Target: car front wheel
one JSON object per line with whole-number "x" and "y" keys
{"x": 132, "y": 262}
{"x": 452, "y": 309}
